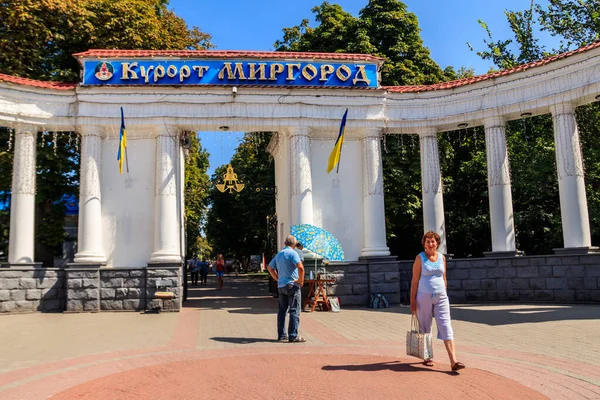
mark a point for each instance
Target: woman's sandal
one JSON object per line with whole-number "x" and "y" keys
{"x": 428, "y": 363}
{"x": 457, "y": 366}
{"x": 298, "y": 339}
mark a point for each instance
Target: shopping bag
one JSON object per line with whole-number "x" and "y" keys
{"x": 418, "y": 344}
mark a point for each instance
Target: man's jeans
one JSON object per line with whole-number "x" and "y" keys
{"x": 289, "y": 296}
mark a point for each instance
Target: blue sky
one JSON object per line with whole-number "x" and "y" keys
{"x": 446, "y": 27}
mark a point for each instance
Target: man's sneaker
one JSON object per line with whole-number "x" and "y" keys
{"x": 283, "y": 339}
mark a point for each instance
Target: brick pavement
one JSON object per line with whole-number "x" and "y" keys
{"x": 222, "y": 345}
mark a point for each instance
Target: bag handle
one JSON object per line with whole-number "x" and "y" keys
{"x": 414, "y": 323}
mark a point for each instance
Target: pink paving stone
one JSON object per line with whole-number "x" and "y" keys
{"x": 297, "y": 376}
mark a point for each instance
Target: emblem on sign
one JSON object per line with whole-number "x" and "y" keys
{"x": 104, "y": 71}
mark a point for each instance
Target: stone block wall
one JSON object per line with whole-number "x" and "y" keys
{"x": 83, "y": 289}
{"x": 356, "y": 281}
{"x": 32, "y": 289}
{"x": 122, "y": 289}
{"x": 171, "y": 279}
{"x": 552, "y": 278}
{"x": 88, "y": 289}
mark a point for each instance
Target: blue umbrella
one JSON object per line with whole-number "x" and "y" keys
{"x": 318, "y": 241}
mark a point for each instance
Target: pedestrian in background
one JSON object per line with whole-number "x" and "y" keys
{"x": 220, "y": 270}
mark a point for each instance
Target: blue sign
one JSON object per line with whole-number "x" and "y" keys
{"x": 224, "y": 72}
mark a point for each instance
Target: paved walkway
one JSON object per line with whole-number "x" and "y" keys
{"x": 222, "y": 346}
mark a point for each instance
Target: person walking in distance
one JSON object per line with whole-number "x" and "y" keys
{"x": 428, "y": 297}
{"x": 195, "y": 269}
{"x": 287, "y": 269}
{"x": 203, "y": 271}
{"x": 220, "y": 270}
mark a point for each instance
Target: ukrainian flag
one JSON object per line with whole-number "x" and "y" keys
{"x": 334, "y": 157}
{"x": 122, "y": 143}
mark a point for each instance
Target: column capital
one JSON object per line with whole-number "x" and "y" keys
{"x": 23, "y": 128}
{"x": 494, "y": 120}
{"x": 371, "y": 132}
{"x": 562, "y": 108}
{"x": 92, "y": 130}
{"x": 167, "y": 130}
{"x": 297, "y": 131}
{"x": 427, "y": 131}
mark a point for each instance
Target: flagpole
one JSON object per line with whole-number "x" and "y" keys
{"x": 126, "y": 159}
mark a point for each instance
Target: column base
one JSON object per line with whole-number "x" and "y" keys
{"x": 165, "y": 257}
{"x": 374, "y": 252}
{"x": 163, "y": 264}
{"x": 576, "y": 250}
{"x": 85, "y": 265}
{"x": 87, "y": 257}
{"x": 503, "y": 254}
{"x": 22, "y": 265}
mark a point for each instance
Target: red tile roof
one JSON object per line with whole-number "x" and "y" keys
{"x": 34, "y": 83}
{"x": 280, "y": 55}
{"x": 284, "y": 55}
{"x": 475, "y": 79}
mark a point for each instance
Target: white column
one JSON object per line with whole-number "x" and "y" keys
{"x": 166, "y": 219}
{"x": 571, "y": 185}
{"x": 89, "y": 238}
{"x": 22, "y": 203}
{"x": 301, "y": 176}
{"x": 431, "y": 180}
{"x": 501, "y": 210}
{"x": 374, "y": 238}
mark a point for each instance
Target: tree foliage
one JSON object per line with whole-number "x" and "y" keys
{"x": 38, "y": 38}
{"x": 237, "y": 224}
{"x": 383, "y": 28}
{"x": 196, "y": 187}
{"x": 575, "y": 22}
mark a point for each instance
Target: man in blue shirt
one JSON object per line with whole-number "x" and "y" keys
{"x": 287, "y": 269}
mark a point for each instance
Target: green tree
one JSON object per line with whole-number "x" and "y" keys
{"x": 466, "y": 204}
{"x": 522, "y": 24}
{"x": 237, "y": 222}
{"x": 38, "y": 38}
{"x": 384, "y": 28}
{"x": 576, "y": 22}
{"x": 196, "y": 187}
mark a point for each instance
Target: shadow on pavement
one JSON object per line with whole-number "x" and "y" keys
{"x": 238, "y": 340}
{"x": 240, "y": 294}
{"x": 516, "y": 313}
{"x": 395, "y": 366}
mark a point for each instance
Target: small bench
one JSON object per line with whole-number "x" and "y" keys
{"x": 163, "y": 293}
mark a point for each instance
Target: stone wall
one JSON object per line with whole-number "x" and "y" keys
{"x": 32, "y": 289}
{"x": 356, "y": 281}
{"x": 122, "y": 289}
{"x": 171, "y": 277}
{"x": 88, "y": 289}
{"x": 552, "y": 278}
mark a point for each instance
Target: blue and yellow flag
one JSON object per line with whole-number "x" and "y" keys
{"x": 122, "y": 154}
{"x": 334, "y": 157}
